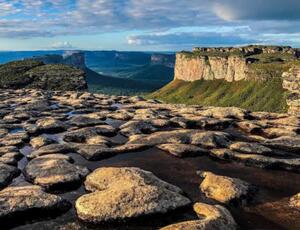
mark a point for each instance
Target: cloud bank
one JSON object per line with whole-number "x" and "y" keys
{"x": 150, "y": 21}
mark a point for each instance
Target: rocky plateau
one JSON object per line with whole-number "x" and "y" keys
{"x": 77, "y": 160}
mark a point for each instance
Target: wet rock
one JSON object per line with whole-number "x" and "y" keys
{"x": 225, "y": 112}
{"x": 11, "y": 158}
{"x": 49, "y": 149}
{"x": 121, "y": 114}
{"x": 40, "y": 141}
{"x": 209, "y": 139}
{"x": 182, "y": 150}
{"x": 7, "y": 173}
{"x": 249, "y": 127}
{"x": 295, "y": 201}
{"x": 81, "y": 135}
{"x": 102, "y": 151}
{"x": 285, "y": 143}
{"x": 211, "y": 217}
{"x": 290, "y": 164}
{"x": 224, "y": 189}
{"x": 137, "y": 127}
{"x": 125, "y": 193}
{"x": 7, "y": 149}
{"x": 50, "y": 125}
{"x": 278, "y": 132}
{"x": 251, "y": 148}
{"x": 54, "y": 171}
{"x": 28, "y": 201}
{"x": 85, "y": 120}
{"x": 3, "y": 132}
{"x": 15, "y": 139}
{"x": 98, "y": 140}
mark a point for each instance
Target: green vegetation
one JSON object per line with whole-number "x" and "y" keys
{"x": 120, "y": 86}
{"x": 35, "y": 74}
{"x": 12, "y": 73}
{"x": 253, "y": 95}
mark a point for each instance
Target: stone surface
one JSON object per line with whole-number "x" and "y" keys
{"x": 295, "y": 201}
{"x": 224, "y": 189}
{"x": 247, "y": 147}
{"x": 17, "y": 202}
{"x": 291, "y": 82}
{"x": 54, "y": 171}
{"x": 182, "y": 150}
{"x": 124, "y": 193}
{"x": 211, "y": 217}
{"x": 50, "y": 125}
{"x": 40, "y": 141}
{"x": 7, "y": 173}
{"x": 290, "y": 164}
{"x": 50, "y": 149}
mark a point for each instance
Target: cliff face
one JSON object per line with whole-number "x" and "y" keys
{"x": 71, "y": 58}
{"x": 291, "y": 82}
{"x": 35, "y": 74}
{"x": 167, "y": 60}
{"x": 230, "y": 68}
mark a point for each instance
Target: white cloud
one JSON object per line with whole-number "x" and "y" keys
{"x": 62, "y": 45}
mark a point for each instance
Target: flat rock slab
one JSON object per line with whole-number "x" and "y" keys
{"x": 7, "y": 174}
{"x": 102, "y": 151}
{"x": 182, "y": 150}
{"x": 40, "y": 141}
{"x": 11, "y": 158}
{"x": 50, "y": 149}
{"x": 207, "y": 139}
{"x": 289, "y": 164}
{"x": 54, "y": 171}
{"x": 295, "y": 201}
{"x": 247, "y": 147}
{"x": 124, "y": 193}
{"x": 287, "y": 143}
{"x": 81, "y": 135}
{"x": 50, "y": 125}
{"x": 29, "y": 201}
{"x": 211, "y": 217}
{"x": 85, "y": 120}
{"x": 224, "y": 189}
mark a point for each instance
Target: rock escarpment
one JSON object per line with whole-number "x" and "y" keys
{"x": 234, "y": 64}
{"x": 210, "y": 68}
{"x": 291, "y": 82}
{"x": 35, "y": 74}
{"x": 71, "y": 58}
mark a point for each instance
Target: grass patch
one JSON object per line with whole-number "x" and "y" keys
{"x": 252, "y": 95}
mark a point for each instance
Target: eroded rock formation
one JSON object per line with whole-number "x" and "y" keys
{"x": 291, "y": 82}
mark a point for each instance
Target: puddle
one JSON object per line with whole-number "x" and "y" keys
{"x": 16, "y": 130}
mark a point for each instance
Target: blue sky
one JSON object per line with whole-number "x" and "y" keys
{"x": 160, "y": 25}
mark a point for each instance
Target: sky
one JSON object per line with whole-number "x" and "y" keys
{"x": 146, "y": 25}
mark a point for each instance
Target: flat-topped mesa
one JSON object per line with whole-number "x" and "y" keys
{"x": 36, "y": 75}
{"x": 251, "y": 50}
{"x": 72, "y": 58}
{"x": 235, "y": 63}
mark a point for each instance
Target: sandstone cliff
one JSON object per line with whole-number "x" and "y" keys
{"x": 35, "y": 74}
{"x": 291, "y": 82}
{"x": 230, "y": 68}
{"x": 71, "y": 58}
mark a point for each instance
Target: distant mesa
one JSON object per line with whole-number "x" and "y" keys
{"x": 72, "y": 58}
{"x": 38, "y": 75}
